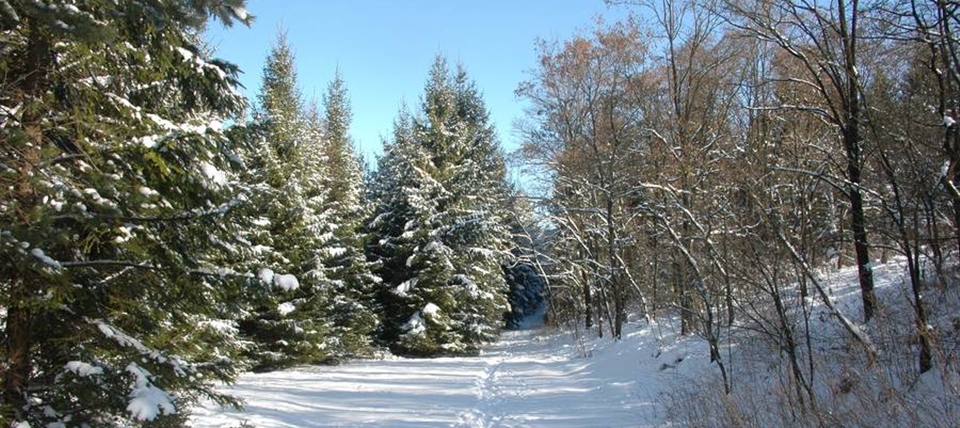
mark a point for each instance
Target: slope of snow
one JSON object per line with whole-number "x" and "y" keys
{"x": 531, "y": 378}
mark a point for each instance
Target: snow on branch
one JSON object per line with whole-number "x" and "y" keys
{"x": 185, "y": 216}
{"x": 146, "y": 400}
{"x": 415, "y": 326}
{"x": 39, "y": 254}
{"x": 83, "y": 369}
{"x": 180, "y": 367}
{"x": 286, "y": 282}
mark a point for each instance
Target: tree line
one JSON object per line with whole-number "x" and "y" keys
{"x": 162, "y": 234}
{"x": 708, "y": 159}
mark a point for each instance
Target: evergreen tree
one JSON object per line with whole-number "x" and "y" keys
{"x": 117, "y": 205}
{"x": 528, "y": 286}
{"x": 388, "y": 220}
{"x": 286, "y": 325}
{"x": 440, "y": 223}
{"x": 342, "y": 161}
{"x": 351, "y": 294}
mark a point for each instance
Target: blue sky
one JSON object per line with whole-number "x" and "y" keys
{"x": 384, "y": 49}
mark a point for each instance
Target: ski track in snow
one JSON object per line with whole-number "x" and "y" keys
{"x": 530, "y": 378}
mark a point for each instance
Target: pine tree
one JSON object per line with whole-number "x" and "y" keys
{"x": 118, "y": 202}
{"x": 286, "y": 325}
{"x": 342, "y": 162}
{"x": 386, "y": 225}
{"x": 439, "y": 223}
{"x": 351, "y": 293}
{"x": 481, "y": 225}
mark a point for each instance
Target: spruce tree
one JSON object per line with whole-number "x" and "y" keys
{"x": 118, "y": 202}
{"x": 440, "y": 223}
{"x": 481, "y": 223}
{"x": 386, "y": 225}
{"x": 286, "y": 324}
{"x": 342, "y": 161}
{"x": 351, "y": 293}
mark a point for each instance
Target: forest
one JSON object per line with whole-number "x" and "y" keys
{"x": 704, "y": 161}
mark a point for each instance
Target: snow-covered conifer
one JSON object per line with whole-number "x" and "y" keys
{"x": 439, "y": 225}
{"x": 285, "y": 324}
{"x": 351, "y": 305}
{"x": 119, "y": 199}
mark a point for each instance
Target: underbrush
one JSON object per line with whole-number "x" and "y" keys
{"x": 831, "y": 380}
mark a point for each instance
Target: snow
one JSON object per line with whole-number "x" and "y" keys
{"x": 531, "y": 378}
{"x": 286, "y": 282}
{"x": 179, "y": 366}
{"x": 97, "y": 198}
{"x": 433, "y": 246}
{"x": 469, "y": 285}
{"x": 149, "y": 141}
{"x": 240, "y": 12}
{"x": 334, "y": 251}
{"x": 38, "y": 253}
{"x": 948, "y": 121}
{"x": 266, "y": 276}
{"x": 430, "y": 309}
{"x": 146, "y": 400}
{"x": 263, "y": 249}
{"x": 163, "y": 123}
{"x": 286, "y": 308}
{"x": 214, "y": 175}
{"x": 415, "y": 325}
{"x": 186, "y": 54}
{"x": 199, "y": 65}
{"x": 224, "y": 327}
{"x": 11, "y": 114}
{"x": 406, "y": 286}
{"x": 124, "y": 233}
{"x": 539, "y": 377}
{"x": 215, "y": 125}
{"x": 148, "y": 192}
{"x": 83, "y": 369}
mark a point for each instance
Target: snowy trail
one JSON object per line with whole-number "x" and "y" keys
{"x": 528, "y": 379}
{"x": 537, "y": 378}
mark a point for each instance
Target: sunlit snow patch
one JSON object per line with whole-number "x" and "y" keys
{"x": 431, "y": 309}
{"x": 286, "y": 281}
{"x": 285, "y": 308}
{"x": 266, "y": 276}
{"x": 147, "y": 401}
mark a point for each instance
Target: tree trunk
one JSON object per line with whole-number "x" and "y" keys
{"x": 616, "y": 275}
{"x": 686, "y": 306}
{"x": 952, "y": 146}
{"x": 925, "y": 358}
{"x": 956, "y": 207}
{"x": 17, "y": 374}
{"x": 851, "y": 144}
{"x": 19, "y": 341}
{"x": 587, "y": 301}
{"x": 858, "y": 224}
{"x": 621, "y": 317}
